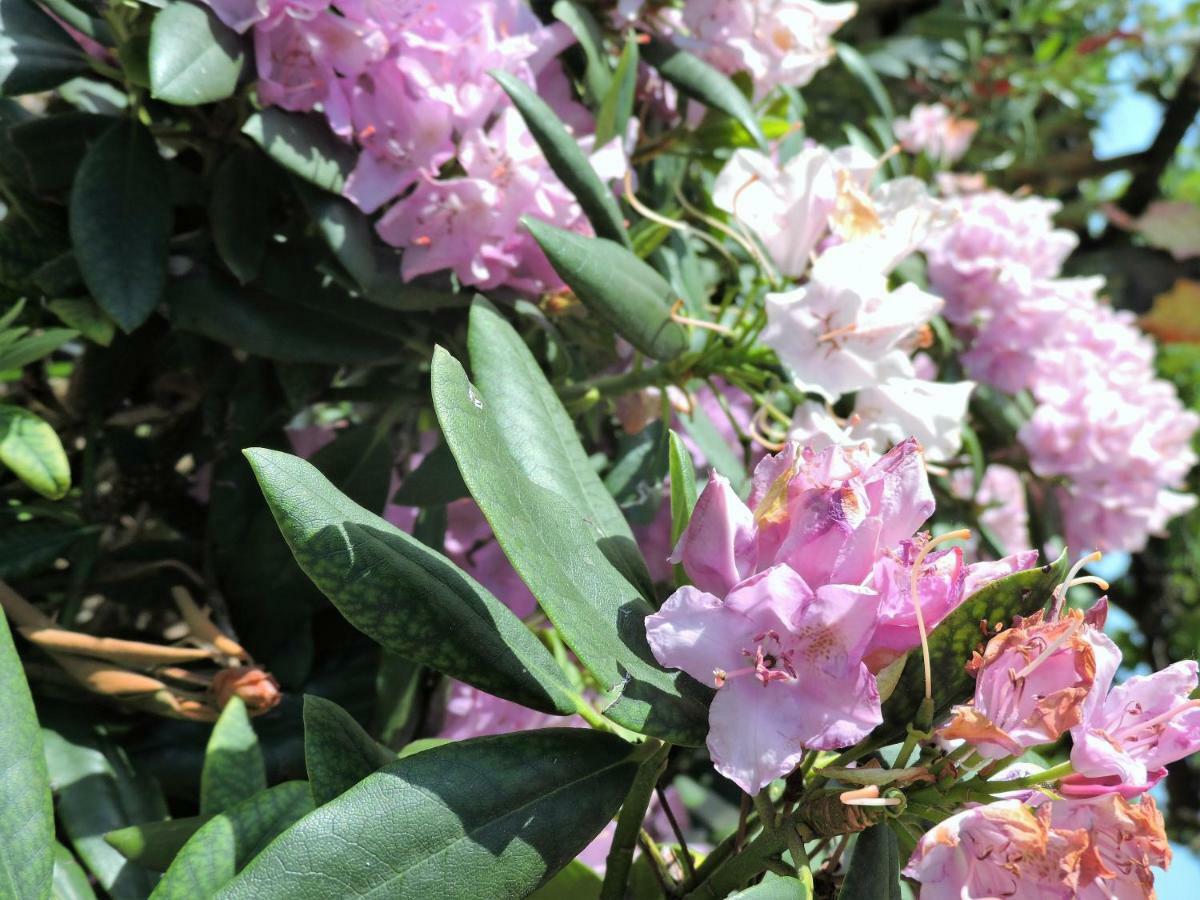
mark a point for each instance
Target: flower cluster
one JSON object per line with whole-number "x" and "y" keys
{"x": 407, "y": 84}
{"x": 800, "y": 597}
{"x": 1115, "y": 438}
{"x": 845, "y": 330}
{"x": 933, "y": 130}
{"x": 1035, "y": 682}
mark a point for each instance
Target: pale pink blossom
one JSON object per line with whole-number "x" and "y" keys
{"x": 718, "y": 548}
{"x": 933, "y": 130}
{"x": 1126, "y": 842}
{"x": 896, "y": 408}
{"x": 787, "y": 664}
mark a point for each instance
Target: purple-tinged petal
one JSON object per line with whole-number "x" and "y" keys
{"x": 717, "y": 548}
{"x": 698, "y": 633}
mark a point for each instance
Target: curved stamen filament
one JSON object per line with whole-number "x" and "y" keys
{"x": 1067, "y": 634}
{"x": 1060, "y": 593}
{"x": 914, "y": 576}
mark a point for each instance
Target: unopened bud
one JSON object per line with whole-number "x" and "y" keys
{"x": 257, "y": 688}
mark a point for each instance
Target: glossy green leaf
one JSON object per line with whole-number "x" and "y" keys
{"x": 233, "y": 761}
{"x": 70, "y": 882}
{"x": 576, "y": 882}
{"x": 541, "y": 436}
{"x": 29, "y": 548}
{"x": 697, "y": 79}
{"x": 98, "y": 791}
{"x": 683, "y": 486}
{"x": 338, "y": 753}
{"x": 625, "y": 292}
{"x": 18, "y": 353}
{"x": 952, "y": 643}
{"x": 26, "y": 816}
{"x": 302, "y": 144}
{"x": 597, "y": 75}
{"x": 86, "y": 318}
{"x": 121, "y": 222}
{"x": 488, "y": 818}
{"x": 53, "y": 146}
{"x": 239, "y": 211}
{"x": 639, "y": 469}
{"x": 567, "y": 160}
{"x": 599, "y": 614}
{"x": 36, "y": 54}
{"x": 874, "y": 872}
{"x": 194, "y": 58}
{"x": 153, "y": 845}
{"x": 435, "y": 482}
{"x": 31, "y": 449}
{"x": 408, "y": 598}
{"x": 616, "y": 107}
{"x": 78, "y": 14}
{"x": 219, "y": 850}
{"x": 774, "y": 887}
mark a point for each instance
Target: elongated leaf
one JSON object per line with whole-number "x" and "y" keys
{"x": 699, "y": 80}
{"x": 953, "y": 641}
{"x": 683, "y": 486}
{"x": 35, "y": 53}
{"x": 489, "y": 818}
{"x": 26, "y": 817}
{"x": 28, "y": 548}
{"x": 576, "y": 882}
{"x": 33, "y": 347}
{"x": 153, "y": 845}
{"x": 233, "y": 761}
{"x": 98, "y": 791}
{"x": 616, "y": 107}
{"x": 599, "y": 614}
{"x": 121, "y": 222}
{"x": 410, "y": 599}
{"x": 53, "y": 146}
{"x": 86, "y": 318}
{"x": 338, "y": 753}
{"x": 70, "y": 881}
{"x": 615, "y": 285}
{"x": 566, "y": 159}
{"x": 597, "y": 76}
{"x": 219, "y": 850}
{"x": 33, "y": 451}
{"x": 302, "y": 144}
{"x": 773, "y": 887}
{"x": 78, "y": 14}
{"x": 239, "y": 209}
{"x": 858, "y": 66}
{"x": 541, "y": 436}
{"x": 874, "y": 872}
{"x": 194, "y": 58}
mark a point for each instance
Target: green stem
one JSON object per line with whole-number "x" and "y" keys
{"x": 629, "y": 822}
{"x": 1054, "y": 773}
{"x": 735, "y": 872}
{"x": 615, "y": 385}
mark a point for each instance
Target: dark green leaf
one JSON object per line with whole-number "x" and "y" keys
{"x": 31, "y": 449}
{"x": 233, "y": 761}
{"x": 874, "y": 872}
{"x": 599, "y": 614}
{"x": 121, "y": 222}
{"x": 98, "y": 791}
{"x": 302, "y": 144}
{"x": 78, "y": 14}
{"x": 618, "y": 287}
{"x": 566, "y": 159}
{"x": 86, "y": 317}
{"x": 861, "y": 69}
{"x": 541, "y": 436}
{"x": 35, "y": 53}
{"x": 26, "y": 816}
{"x": 399, "y": 694}
{"x": 683, "y": 486}
{"x": 239, "y": 210}
{"x": 154, "y": 845}
{"x": 435, "y": 482}
{"x": 696, "y": 78}
{"x": 338, "y": 753}
{"x": 488, "y": 818}
{"x": 637, "y": 475}
{"x": 194, "y": 58}
{"x": 28, "y": 548}
{"x": 53, "y": 146}
{"x": 955, "y": 639}
{"x": 773, "y": 887}
{"x": 410, "y": 599}
{"x": 259, "y": 323}
{"x": 70, "y": 881}
{"x": 616, "y": 108}
{"x": 597, "y": 75}
{"x": 576, "y": 882}
{"x": 218, "y": 851}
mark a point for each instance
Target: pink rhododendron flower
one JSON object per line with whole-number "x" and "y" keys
{"x": 1003, "y": 849}
{"x": 779, "y": 42}
{"x": 933, "y": 130}
{"x": 1001, "y": 501}
{"x": 1130, "y": 732}
{"x": 896, "y": 408}
{"x": 1126, "y": 840}
{"x": 718, "y": 548}
{"x": 1030, "y": 684}
{"x": 787, "y": 663}
{"x": 472, "y": 713}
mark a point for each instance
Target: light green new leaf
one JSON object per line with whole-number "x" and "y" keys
{"x": 599, "y": 614}
{"x": 576, "y": 882}
{"x": 338, "y": 753}
{"x": 194, "y": 58}
{"x": 616, "y": 107}
{"x": 33, "y": 451}
{"x": 153, "y": 845}
{"x": 490, "y": 818}
{"x": 26, "y": 816}
{"x": 403, "y": 595}
{"x": 773, "y": 887}
{"x": 597, "y": 75}
{"x": 121, "y": 222}
{"x": 35, "y": 53}
{"x": 70, "y": 881}
{"x": 683, "y": 485}
{"x": 541, "y": 436}
{"x": 233, "y": 761}
{"x": 302, "y": 144}
{"x": 86, "y": 318}
{"x": 223, "y": 845}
